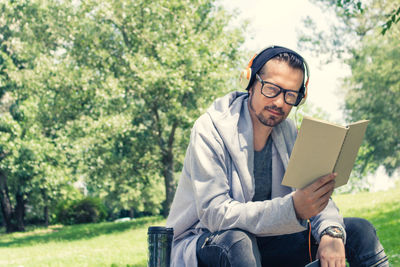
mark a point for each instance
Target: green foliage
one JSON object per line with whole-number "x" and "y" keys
{"x": 374, "y": 94}
{"x": 351, "y": 23}
{"x": 34, "y": 163}
{"x": 105, "y": 93}
{"x": 393, "y": 18}
{"x": 372, "y": 90}
{"x": 34, "y": 166}
{"x": 352, "y": 8}
{"x": 86, "y": 210}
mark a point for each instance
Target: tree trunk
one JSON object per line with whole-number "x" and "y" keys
{"x": 167, "y": 159}
{"x": 131, "y": 213}
{"x": 46, "y": 208}
{"x": 20, "y": 211}
{"x": 5, "y": 203}
{"x": 46, "y": 215}
{"x": 168, "y": 173}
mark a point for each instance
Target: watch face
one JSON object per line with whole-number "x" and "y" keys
{"x": 334, "y": 232}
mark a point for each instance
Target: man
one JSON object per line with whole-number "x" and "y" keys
{"x": 230, "y": 208}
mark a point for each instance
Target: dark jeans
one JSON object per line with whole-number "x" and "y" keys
{"x": 239, "y": 248}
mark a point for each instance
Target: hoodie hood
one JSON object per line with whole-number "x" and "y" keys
{"x": 232, "y": 120}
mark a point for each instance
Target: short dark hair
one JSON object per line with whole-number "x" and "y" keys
{"x": 293, "y": 60}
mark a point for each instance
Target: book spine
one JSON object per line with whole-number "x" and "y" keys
{"x": 341, "y": 148}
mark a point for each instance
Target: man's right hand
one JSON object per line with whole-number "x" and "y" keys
{"x": 312, "y": 199}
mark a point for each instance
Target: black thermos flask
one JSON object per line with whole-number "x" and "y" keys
{"x": 160, "y": 242}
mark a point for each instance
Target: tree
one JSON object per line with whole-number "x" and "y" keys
{"x": 349, "y": 22}
{"x": 113, "y": 88}
{"x": 354, "y": 7}
{"x": 374, "y": 94}
{"x": 372, "y": 90}
{"x": 170, "y": 59}
{"x": 31, "y": 164}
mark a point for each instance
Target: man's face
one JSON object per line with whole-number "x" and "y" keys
{"x": 271, "y": 111}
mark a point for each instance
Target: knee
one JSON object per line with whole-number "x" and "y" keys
{"x": 360, "y": 230}
{"x": 231, "y": 248}
{"x": 240, "y": 240}
{"x": 243, "y": 250}
{"x": 363, "y": 247}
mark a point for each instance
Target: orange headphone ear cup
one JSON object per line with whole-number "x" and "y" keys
{"x": 245, "y": 75}
{"x": 244, "y": 78}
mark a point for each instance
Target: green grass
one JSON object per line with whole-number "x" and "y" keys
{"x": 125, "y": 244}
{"x": 103, "y": 244}
{"x": 382, "y": 209}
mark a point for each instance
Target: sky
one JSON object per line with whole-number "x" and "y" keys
{"x": 278, "y": 22}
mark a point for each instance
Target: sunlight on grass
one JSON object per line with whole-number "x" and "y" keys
{"x": 382, "y": 209}
{"x": 32, "y": 231}
{"x": 105, "y": 244}
{"x": 125, "y": 244}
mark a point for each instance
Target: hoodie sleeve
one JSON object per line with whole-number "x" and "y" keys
{"x": 208, "y": 169}
{"x": 328, "y": 217}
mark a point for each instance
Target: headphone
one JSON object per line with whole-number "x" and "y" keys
{"x": 247, "y": 76}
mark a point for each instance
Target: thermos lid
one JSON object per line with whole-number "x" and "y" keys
{"x": 160, "y": 230}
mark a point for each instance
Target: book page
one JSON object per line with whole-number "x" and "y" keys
{"x": 315, "y": 152}
{"x": 350, "y": 148}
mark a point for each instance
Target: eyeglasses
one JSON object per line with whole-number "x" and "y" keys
{"x": 271, "y": 90}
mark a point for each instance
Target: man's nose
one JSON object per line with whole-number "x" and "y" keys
{"x": 279, "y": 100}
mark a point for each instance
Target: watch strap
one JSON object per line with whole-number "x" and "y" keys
{"x": 333, "y": 231}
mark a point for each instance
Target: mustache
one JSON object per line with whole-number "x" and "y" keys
{"x": 275, "y": 108}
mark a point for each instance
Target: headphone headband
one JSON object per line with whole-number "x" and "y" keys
{"x": 247, "y": 76}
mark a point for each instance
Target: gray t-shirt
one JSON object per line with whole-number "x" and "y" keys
{"x": 263, "y": 172}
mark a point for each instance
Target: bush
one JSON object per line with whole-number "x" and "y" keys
{"x": 86, "y": 210}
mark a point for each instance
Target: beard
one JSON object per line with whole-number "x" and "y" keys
{"x": 271, "y": 120}
{"x": 268, "y": 120}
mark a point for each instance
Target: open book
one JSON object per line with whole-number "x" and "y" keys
{"x": 321, "y": 148}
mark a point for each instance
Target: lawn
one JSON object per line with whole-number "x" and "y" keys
{"x": 382, "y": 209}
{"x": 103, "y": 244}
{"x": 125, "y": 244}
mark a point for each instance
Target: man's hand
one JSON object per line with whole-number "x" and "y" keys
{"x": 331, "y": 252}
{"x": 312, "y": 199}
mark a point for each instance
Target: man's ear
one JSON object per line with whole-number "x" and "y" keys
{"x": 251, "y": 89}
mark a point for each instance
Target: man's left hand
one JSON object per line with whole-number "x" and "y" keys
{"x": 331, "y": 252}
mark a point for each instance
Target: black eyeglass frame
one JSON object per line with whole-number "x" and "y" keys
{"x": 299, "y": 94}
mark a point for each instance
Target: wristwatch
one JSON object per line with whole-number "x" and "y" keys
{"x": 333, "y": 231}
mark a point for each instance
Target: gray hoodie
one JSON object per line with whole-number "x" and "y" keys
{"x": 217, "y": 185}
